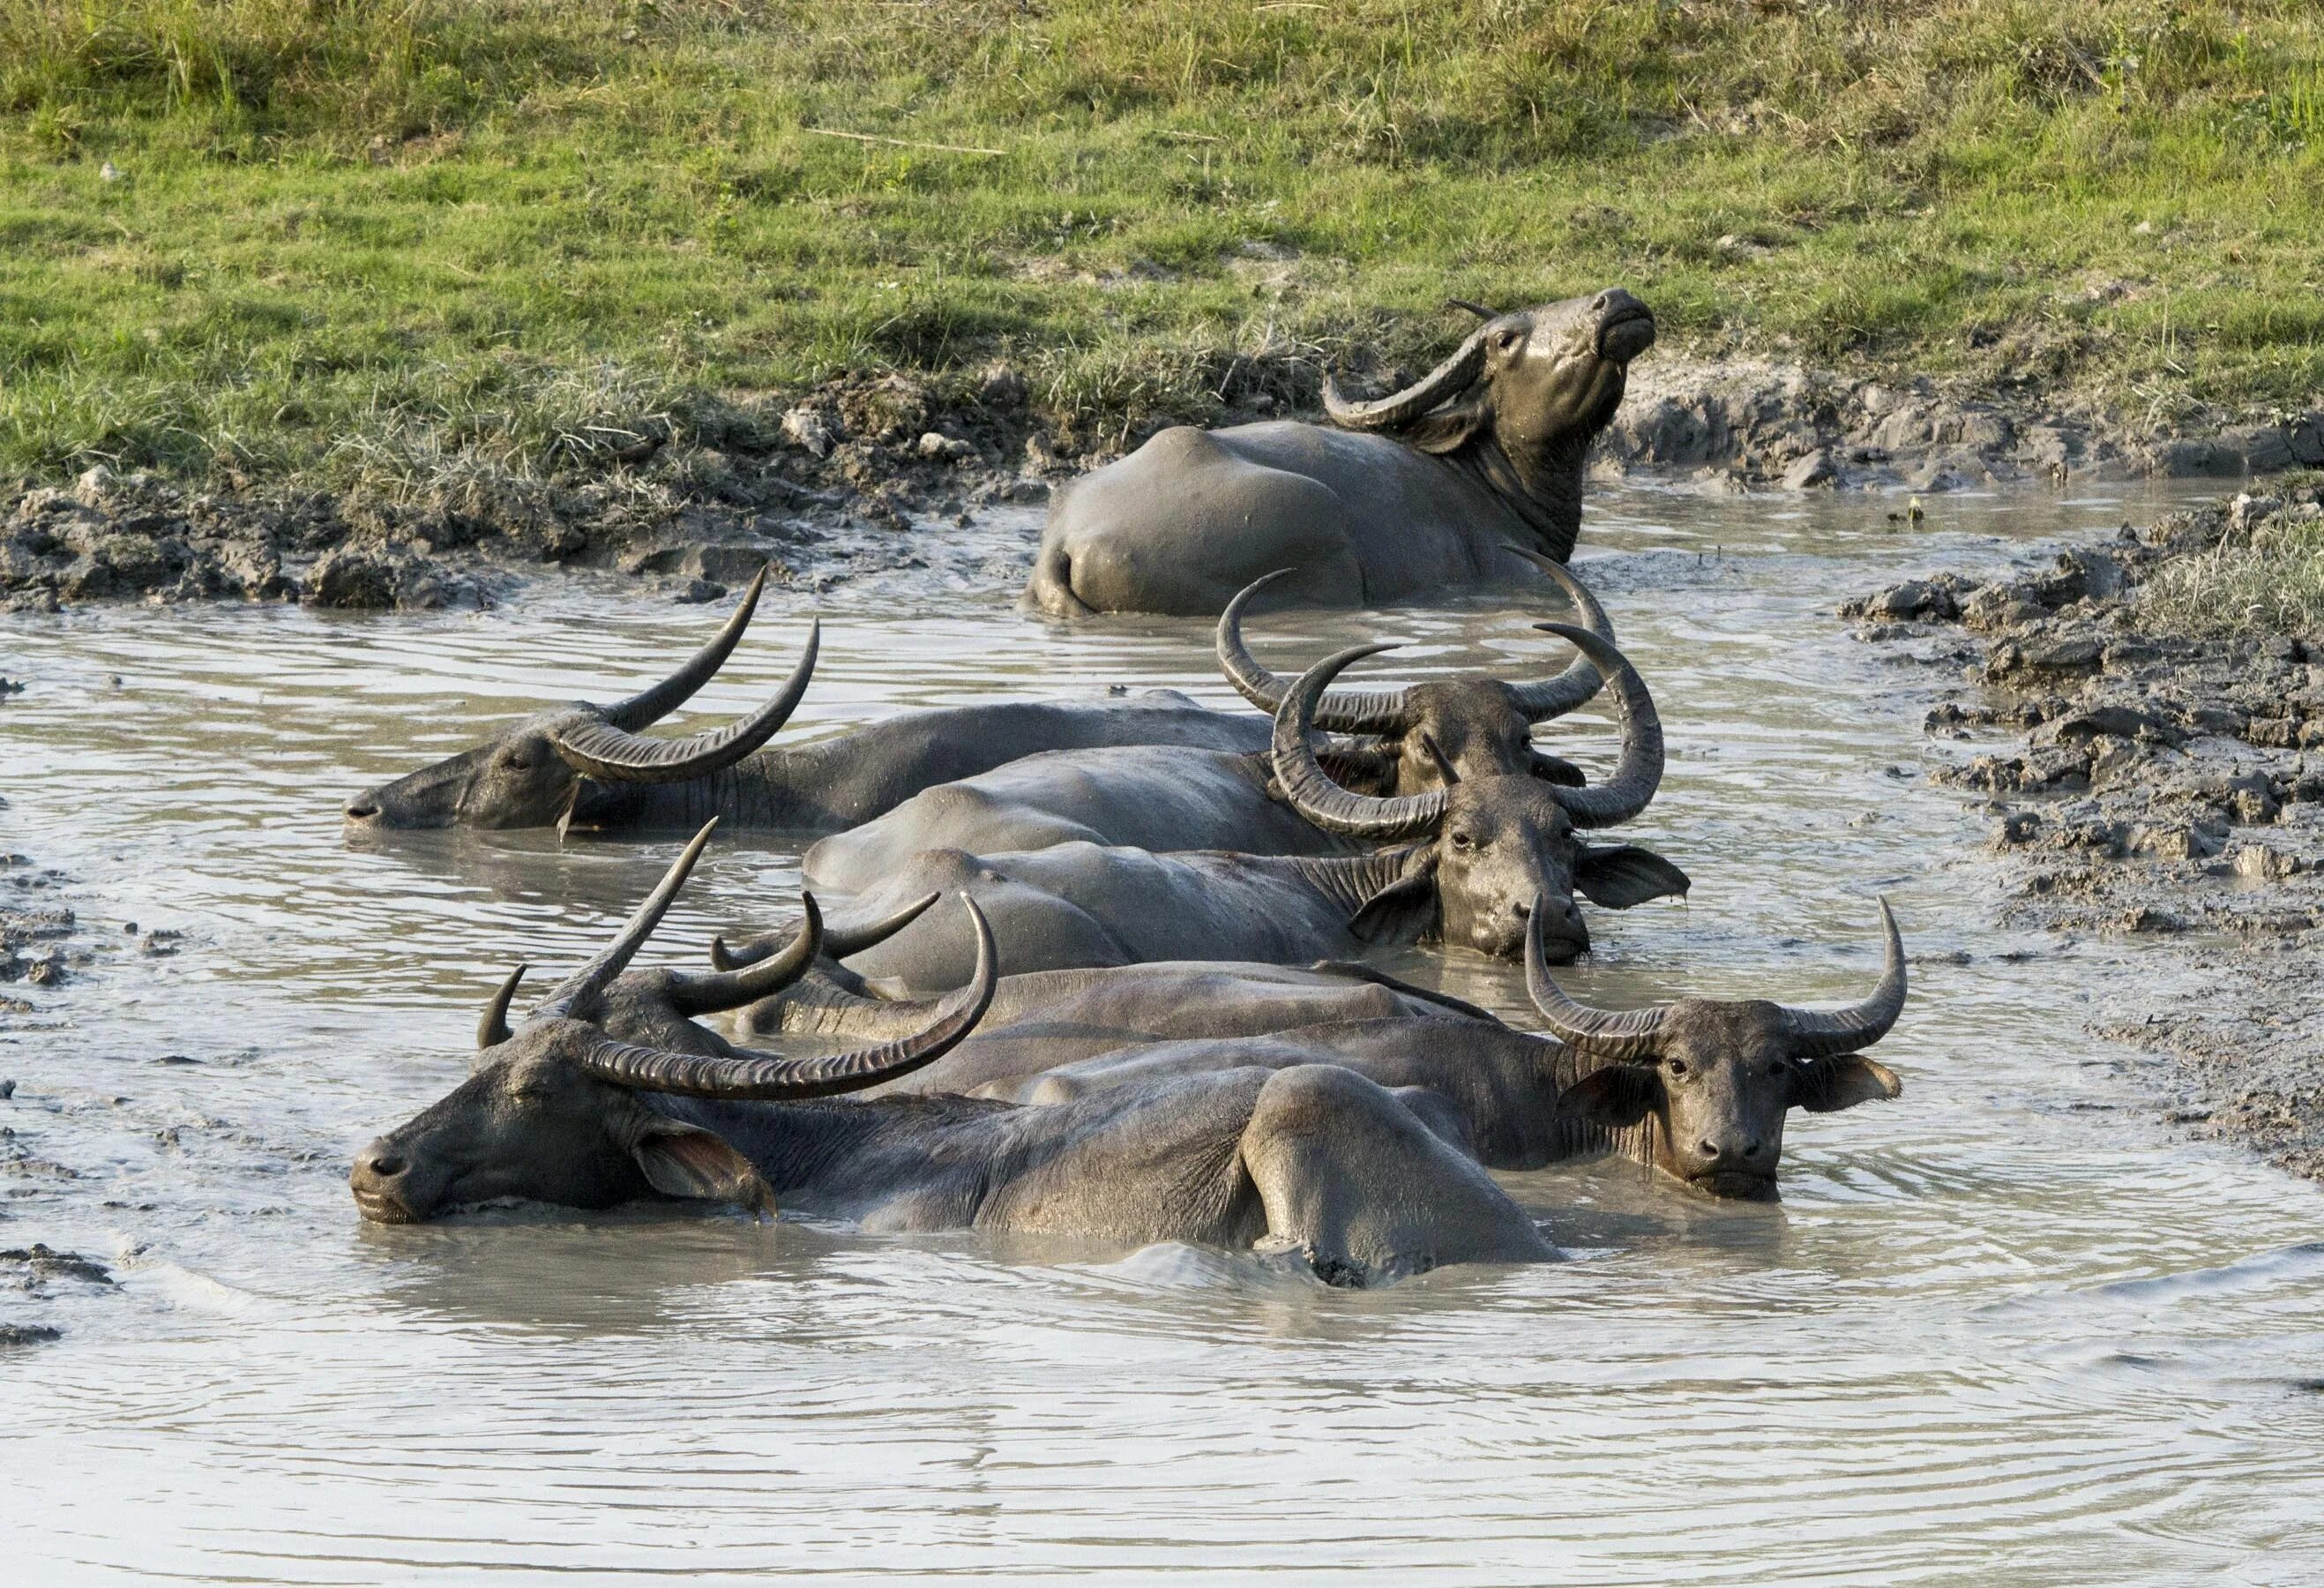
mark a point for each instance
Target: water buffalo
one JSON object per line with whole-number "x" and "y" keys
{"x": 1698, "y": 1088}
{"x": 1412, "y": 492}
{"x": 591, "y": 766}
{"x": 609, "y": 1092}
{"x": 1144, "y": 796}
{"x": 1490, "y": 848}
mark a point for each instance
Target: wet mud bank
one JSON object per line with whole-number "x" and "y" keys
{"x": 2142, "y": 780}
{"x": 868, "y": 473}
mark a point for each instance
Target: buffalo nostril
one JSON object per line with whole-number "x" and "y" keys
{"x": 387, "y": 1166}
{"x": 1710, "y": 1150}
{"x": 1603, "y": 299}
{"x": 1754, "y": 1148}
{"x": 361, "y": 811}
{"x": 1525, "y": 912}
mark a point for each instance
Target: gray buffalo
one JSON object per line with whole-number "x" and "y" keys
{"x": 609, "y": 1093}
{"x": 1698, "y": 1089}
{"x": 1412, "y": 492}
{"x": 1487, "y": 850}
{"x": 593, "y": 767}
{"x": 1145, "y": 797}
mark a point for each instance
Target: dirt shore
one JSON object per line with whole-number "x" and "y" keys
{"x": 847, "y": 479}
{"x": 2153, "y": 783}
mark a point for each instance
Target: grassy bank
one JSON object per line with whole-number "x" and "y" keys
{"x": 2264, "y": 577}
{"x": 387, "y": 242}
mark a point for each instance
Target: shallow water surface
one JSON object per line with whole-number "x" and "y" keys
{"x": 2007, "y": 1330}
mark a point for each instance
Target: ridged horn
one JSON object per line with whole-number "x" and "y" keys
{"x": 613, "y": 755}
{"x": 1544, "y": 698}
{"x": 1368, "y": 711}
{"x": 575, "y": 997}
{"x": 693, "y": 993}
{"x": 1618, "y": 1036}
{"x": 1639, "y": 772}
{"x": 754, "y": 1077}
{"x": 1448, "y": 380}
{"x": 651, "y": 705}
{"x": 1827, "y": 1033}
{"x": 492, "y": 1026}
{"x": 1312, "y": 792}
{"x": 838, "y": 941}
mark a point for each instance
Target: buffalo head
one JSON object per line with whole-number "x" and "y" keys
{"x": 1713, "y": 1078}
{"x": 1542, "y": 382}
{"x": 556, "y": 1109}
{"x": 1501, "y": 849}
{"x": 1478, "y": 726}
{"x": 533, "y": 774}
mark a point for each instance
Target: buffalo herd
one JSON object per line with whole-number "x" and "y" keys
{"x": 1099, "y": 969}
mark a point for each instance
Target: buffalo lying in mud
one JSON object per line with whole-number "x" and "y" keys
{"x": 590, "y": 766}
{"x": 1698, "y": 1088}
{"x": 1412, "y": 492}
{"x": 609, "y": 1094}
{"x": 1489, "y": 851}
{"x": 1170, "y": 798}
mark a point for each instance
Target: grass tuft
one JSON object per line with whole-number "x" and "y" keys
{"x": 2266, "y": 578}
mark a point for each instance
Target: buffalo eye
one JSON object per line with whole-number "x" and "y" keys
{"x": 1677, "y": 1067}
{"x": 1461, "y": 841}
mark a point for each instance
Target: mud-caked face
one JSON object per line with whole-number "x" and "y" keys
{"x": 1557, "y": 373}
{"x": 1505, "y": 843}
{"x": 531, "y": 1125}
{"x": 1475, "y": 725}
{"x": 519, "y": 780}
{"x": 1722, "y": 1079}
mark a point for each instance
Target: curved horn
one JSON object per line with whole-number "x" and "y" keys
{"x": 493, "y": 1027}
{"x": 1366, "y": 711}
{"x": 1472, "y": 307}
{"x": 1446, "y": 380}
{"x": 1312, "y": 792}
{"x": 695, "y": 992}
{"x": 1639, "y": 772}
{"x": 575, "y": 995}
{"x": 743, "y": 1076}
{"x": 651, "y": 705}
{"x": 613, "y": 755}
{"x": 1579, "y": 682}
{"x": 1826, "y": 1033}
{"x": 1625, "y": 1036}
{"x": 838, "y": 941}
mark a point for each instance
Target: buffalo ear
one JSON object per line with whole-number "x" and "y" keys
{"x": 1558, "y": 770}
{"x": 1827, "y": 1086}
{"x": 1623, "y": 874}
{"x": 1448, "y": 429}
{"x": 1406, "y": 909}
{"x": 685, "y": 1161}
{"x": 1615, "y": 1097}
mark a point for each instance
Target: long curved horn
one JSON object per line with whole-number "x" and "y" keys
{"x": 613, "y": 755}
{"x": 1579, "y": 682}
{"x": 736, "y": 1075}
{"x": 1639, "y": 772}
{"x": 838, "y": 941}
{"x": 1472, "y": 307}
{"x": 1626, "y": 1036}
{"x": 695, "y": 992}
{"x": 1826, "y": 1033}
{"x": 492, "y": 1026}
{"x": 1366, "y": 711}
{"x": 1312, "y": 792}
{"x": 1446, "y": 380}
{"x": 575, "y": 996}
{"x": 651, "y": 705}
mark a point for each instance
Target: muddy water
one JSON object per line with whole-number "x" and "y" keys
{"x": 2007, "y": 1330}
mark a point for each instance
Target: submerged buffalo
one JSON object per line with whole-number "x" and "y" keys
{"x": 592, "y": 766}
{"x": 1412, "y": 492}
{"x": 1486, "y": 850}
{"x": 610, "y": 1094}
{"x": 1169, "y": 798}
{"x": 1698, "y": 1089}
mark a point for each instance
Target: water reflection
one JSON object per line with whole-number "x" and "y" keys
{"x": 2006, "y": 1329}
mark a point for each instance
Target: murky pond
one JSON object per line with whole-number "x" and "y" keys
{"x": 2007, "y": 1330}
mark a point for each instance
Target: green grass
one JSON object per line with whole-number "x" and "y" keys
{"x": 2266, "y": 579}
{"x": 385, "y": 240}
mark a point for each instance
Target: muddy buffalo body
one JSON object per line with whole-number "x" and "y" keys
{"x": 1409, "y": 494}
{"x": 610, "y": 1092}
{"x": 1698, "y": 1089}
{"x": 594, "y": 766}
